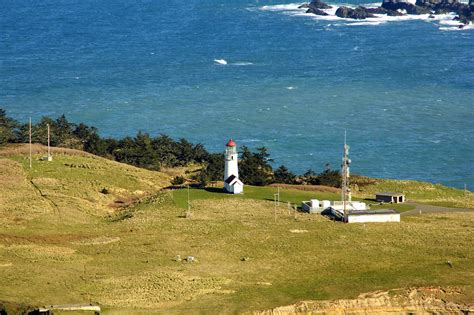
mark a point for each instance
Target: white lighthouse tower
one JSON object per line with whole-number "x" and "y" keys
{"x": 232, "y": 183}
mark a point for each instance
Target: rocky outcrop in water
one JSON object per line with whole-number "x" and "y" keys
{"x": 358, "y": 13}
{"x": 403, "y": 5}
{"x": 396, "y": 7}
{"x": 442, "y": 5}
{"x": 316, "y": 7}
{"x": 464, "y": 11}
{"x": 315, "y": 4}
{"x": 317, "y": 12}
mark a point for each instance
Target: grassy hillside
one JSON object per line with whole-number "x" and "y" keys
{"x": 422, "y": 192}
{"x": 64, "y": 241}
{"x": 74, "y": 187}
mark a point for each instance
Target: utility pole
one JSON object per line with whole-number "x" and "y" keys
{"x": 346, "y": 191}
{"x": 30, "y": 144}
{"x": 49, "y": 146}
{"x": 189, "y": 204}
{"x": 188, "y": 213}
{"x": 278, "y": 200}
{"x": 275, "y": 206}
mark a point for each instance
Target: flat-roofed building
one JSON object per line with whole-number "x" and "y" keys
{"x": 390, "y": 197}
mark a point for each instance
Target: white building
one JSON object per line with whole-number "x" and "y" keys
{"x": 347, "y": 210}
{"x": 356, "y": 211}
{"x": 318, "y": 206}
{"x": 383, "y": 215}
{"x": 232, "y": 183}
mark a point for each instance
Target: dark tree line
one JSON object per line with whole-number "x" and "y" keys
{"x": 153, "y": 153}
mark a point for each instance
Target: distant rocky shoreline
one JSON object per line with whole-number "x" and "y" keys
{"x": 465, "y": 12}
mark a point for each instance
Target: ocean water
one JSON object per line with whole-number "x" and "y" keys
{"x": 403, "y": 88}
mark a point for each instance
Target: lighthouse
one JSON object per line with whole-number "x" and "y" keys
{"x": 232, "y": 183}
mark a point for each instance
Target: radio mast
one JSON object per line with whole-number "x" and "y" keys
{"x": 345, "y": 190}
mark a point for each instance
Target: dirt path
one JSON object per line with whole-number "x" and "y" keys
{"x": 432, "y": 209}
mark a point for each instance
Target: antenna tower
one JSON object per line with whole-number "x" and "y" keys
{"x": 345, "y": 190}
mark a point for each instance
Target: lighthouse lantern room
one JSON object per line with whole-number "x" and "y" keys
{"x": 232, "y": 183}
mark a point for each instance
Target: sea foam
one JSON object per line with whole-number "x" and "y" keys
{"x": 222, "y": 62}
{"x": 293, "y": 9}
{"x": 241, "y": 63}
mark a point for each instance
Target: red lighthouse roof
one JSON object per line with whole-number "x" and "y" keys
{"x": 231, "y": 143}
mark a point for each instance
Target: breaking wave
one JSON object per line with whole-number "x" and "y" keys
{"x": 241, "y": 63}
{"x": 440, "y": 20}
{"x": 223, "y": 62}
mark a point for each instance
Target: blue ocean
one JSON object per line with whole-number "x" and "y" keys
{"x": 262, "y": 72}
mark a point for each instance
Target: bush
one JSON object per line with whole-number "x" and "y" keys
{"x": 284, "y": 176}
{"x": 254, "y": 167}
{"x": 178, "y": 180}
{"x": 330, "y": 178}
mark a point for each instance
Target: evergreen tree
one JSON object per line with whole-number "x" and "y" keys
{"x": 214, "y": 169}
{"x": 283, "y": 175}
{"x": 8, "y": 128}
{"x": 330, "y": 178}
{"x": 40, "y": 132}
{"x": 254, "y": 168}
{"x": 64, "y": 133}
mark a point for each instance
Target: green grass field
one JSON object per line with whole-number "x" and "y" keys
{"x": 422, "y": 192}
{"x": 70, "y": 243}
{"x": 291, "y": 196}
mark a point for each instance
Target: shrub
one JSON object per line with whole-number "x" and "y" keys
{"x": 178, "y": 180}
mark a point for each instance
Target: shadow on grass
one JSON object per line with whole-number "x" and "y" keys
{"x": 370, "y": 199}
{"x": 285, "y": 203}
{"x": 215, "y": 190}
{"x": 328, "y": 214}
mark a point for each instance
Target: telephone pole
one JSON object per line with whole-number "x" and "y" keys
{"x": 30, "y": 144}
{"x": 49, "y": 144}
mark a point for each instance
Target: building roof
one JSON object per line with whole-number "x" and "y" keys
{"x": 231, "y": 143}
{"x": 236, "y": 181}
{"x": 389, "y": 194}
{"x": 230, "y": 179}
{"x": 373, "y": 212}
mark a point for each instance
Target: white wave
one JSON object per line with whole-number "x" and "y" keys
{"x": 372, "y": 5}
{"x": 450, "y": 22}
{"x": 250, "y": 140}
{"x": 366, "y": 23}
{"x": 282, "y": 7}
{"x": 457, "y": 28}
{"x": 291, "y": 88}
{"x": 293, "y": 10}
{"x": 242, "y": 63}
{"x": 222, "y": 62}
